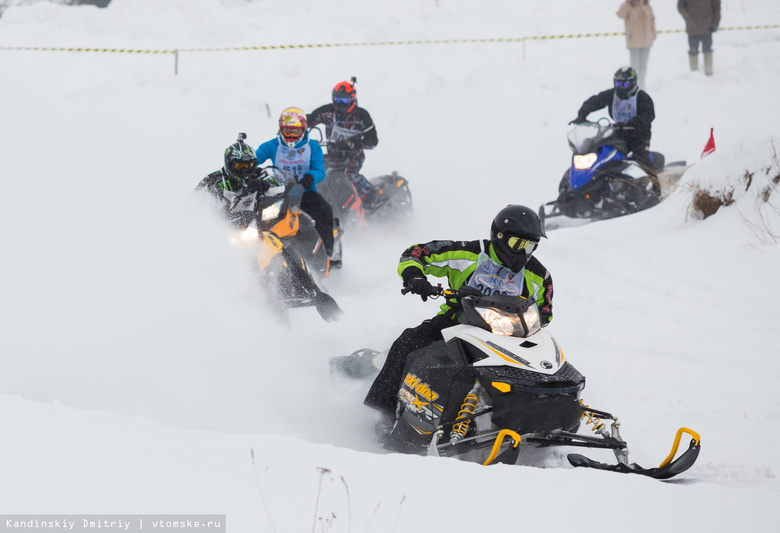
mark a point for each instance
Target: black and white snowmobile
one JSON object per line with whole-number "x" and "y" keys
{"x": 499, "y": 381}
{"x": 603, "y": 181}
{"x": 392, "y": 201}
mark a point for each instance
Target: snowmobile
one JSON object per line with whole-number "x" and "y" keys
{"x": 283, "y": 241}
{"x": 278, "y": 211}
{"x": 393, "y": 198}
{"x": 499, "y": 381}
{"x": 285, "y": 276}
{"x": 603, "y": 181}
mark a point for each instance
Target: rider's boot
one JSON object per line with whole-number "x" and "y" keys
{"x": 334, "y": 262}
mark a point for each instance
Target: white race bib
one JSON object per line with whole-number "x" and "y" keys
{"x": 623, "y": 110}
{"x": 491, "y": 278}
{"x": 294, "y": 161}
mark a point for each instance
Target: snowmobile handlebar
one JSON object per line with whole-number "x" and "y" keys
{"x": 437, "y": 290}
{"x": 351, "y": 142}
{"x": 604, "y": 122}
{"x": 425, "y": 291}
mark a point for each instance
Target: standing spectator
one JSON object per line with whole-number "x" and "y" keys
{"x": 640, "y": 34}
{"x": 702, "y": 18}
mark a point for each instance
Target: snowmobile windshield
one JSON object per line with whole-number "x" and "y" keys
{"x": 512, "y": 316}
{"x": 585, "y": 138}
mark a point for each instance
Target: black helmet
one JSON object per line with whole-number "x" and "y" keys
{"x": 625, "y": 80}
{"x": 515, "y": 234}
{"x": 240, "y": 159}
{"x": 345, "y": 96}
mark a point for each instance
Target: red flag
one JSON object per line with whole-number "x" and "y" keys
{"x": 710, "y": 146}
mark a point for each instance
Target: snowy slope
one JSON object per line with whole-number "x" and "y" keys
{"x": 141, "y": 372}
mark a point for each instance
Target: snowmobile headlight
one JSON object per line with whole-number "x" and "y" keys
{"x": 249, "y": 234}
{"x": 271, "y": 212}
{"x": 511, "y": 325}
{"x": 501, "y": 323}
{"x": 583, "y": 162}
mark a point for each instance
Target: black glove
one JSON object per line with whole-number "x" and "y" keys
{"x": 307, "y": 181}
{"x": 258, "y": 185}
{"x": 713, "y": 28}
{"x": 356, "y": 142}
{"x": 578, "y": 120}
{"x": 419, "y": 285}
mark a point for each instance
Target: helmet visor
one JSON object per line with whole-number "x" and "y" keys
{"x": 292, "y": 132}
{"x": 520, "y": 244}
{"x": 243, "y": 165}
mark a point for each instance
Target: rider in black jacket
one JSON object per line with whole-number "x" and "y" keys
{"x": 349, "y": 130}
{"x": 628, "y": 105}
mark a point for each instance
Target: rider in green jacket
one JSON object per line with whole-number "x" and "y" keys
{"x": 501, "y": 265}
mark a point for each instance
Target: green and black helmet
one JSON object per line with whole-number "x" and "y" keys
{"x": 240, "y": 159}
{"x": 625, "y": 80}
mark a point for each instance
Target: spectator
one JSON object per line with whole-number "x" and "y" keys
{"x": 702, "y": 18}
{"x": 640, "y": 34}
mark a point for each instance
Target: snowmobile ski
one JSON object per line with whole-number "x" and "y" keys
{"x": 668, "y": 468}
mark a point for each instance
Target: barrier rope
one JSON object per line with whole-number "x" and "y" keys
{"x": 175, "y": 52}
{"x": 348, "y": 45}
{"x": 109, "y": 50}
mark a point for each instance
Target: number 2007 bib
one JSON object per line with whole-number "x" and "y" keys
{"x": 491, "y": 278}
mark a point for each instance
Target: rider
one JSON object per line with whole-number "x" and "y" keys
{"x": 349, "y": 130}
{"x": 629, "y": 105}
{"x": 494, "y": 266}
{"x": 239, "y": 176}
{"x": 302, "y": 159}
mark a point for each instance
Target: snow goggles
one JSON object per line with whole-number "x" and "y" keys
{"x": 243, "y": 165}
{"x": 293, "y": 132}
{"x": 342, "y": 100}
{"x": 518, "y": 244}
{"x": 622, "y": 84}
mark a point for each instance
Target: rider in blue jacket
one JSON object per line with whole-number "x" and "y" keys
{"x": 302, "y": 160}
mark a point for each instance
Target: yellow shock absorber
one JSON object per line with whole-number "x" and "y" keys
{"x": 466, "y": 409}
{"x": 598, "y": 425}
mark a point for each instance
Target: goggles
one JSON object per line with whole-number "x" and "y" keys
{"x": 622, "y": 84}
{"x": 243, "y": 165}
{"x": 518, "y": 244}
{"x": 343, "y": 101}
{"x": 292, "y": 132}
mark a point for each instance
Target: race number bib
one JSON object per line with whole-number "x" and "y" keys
{"x": 244, "y": 204}
{"x": 623, "y": 110}
{"x": 490, "y": 278}
{"x": 340, "y": 133}
{"x": 294, "y": 161}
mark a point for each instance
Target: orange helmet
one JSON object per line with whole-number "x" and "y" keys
{"x": 344, "y": 96}
{"x": 292, "y": 126}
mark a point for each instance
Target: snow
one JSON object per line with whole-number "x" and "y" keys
{"x": 142, "y": 374}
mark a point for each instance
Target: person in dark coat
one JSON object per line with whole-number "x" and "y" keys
{"x": 702, "y": 18}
